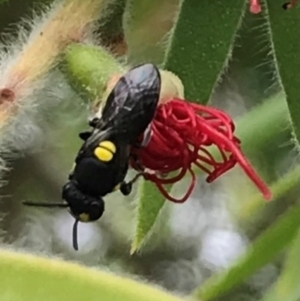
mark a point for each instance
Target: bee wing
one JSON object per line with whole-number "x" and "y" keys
{"x": 131, "y": 105}
{"x": 129, "y": 108}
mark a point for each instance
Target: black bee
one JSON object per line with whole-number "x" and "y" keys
{"x": 103, "y": 160}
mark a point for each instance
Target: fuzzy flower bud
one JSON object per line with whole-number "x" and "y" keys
{"x": 24, "y": 69}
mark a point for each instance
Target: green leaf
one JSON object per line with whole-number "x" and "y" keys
{"x": 287, "y": 287}
{"x": 146, "y": 212}
{"x": 30, "y": 278}
{"x": 199, "y": 48}
{"x": 285, "y": 30}
{"x": 259, "y": 127}
{"x": 110, "y": 28}
{"x": 144, "y": 30}
{"x": 264, "y": 250}
{"x": 279, "y": 189}
{"x": 88, "y": 69}
{"x": 201, "y": 44}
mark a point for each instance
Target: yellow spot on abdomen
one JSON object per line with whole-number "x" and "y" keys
{"x": 108, "y": 145}
{"x": 103, "y": 154}
{"x": 105, "y": 151}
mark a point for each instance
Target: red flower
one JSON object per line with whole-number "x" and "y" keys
{"x": 255, "y": 7}
{"x": 180, "y": 135}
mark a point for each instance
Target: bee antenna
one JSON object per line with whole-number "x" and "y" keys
{"x": 75, "y": 235}
{"x": 37, "y": 204}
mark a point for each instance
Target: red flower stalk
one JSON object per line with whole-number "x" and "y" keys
{"x": 179, "y": 136}
{"x": 255, "y": 7}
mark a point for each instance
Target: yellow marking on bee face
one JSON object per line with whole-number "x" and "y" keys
{"x": 108, "y": 145}
{"x": 103, "y": 154}
{"x": 117, "y": 187}
{"x": 84, "y": 217}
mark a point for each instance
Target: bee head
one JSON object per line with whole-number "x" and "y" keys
{"x": 83, "y": 208}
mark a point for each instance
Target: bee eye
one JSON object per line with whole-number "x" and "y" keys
{"x": 96, "y": 209}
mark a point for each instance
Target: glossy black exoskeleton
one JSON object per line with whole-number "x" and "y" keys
{"x": 102, "y": 162}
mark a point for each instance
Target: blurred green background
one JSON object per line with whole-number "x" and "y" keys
{"x": 191, "y": 242}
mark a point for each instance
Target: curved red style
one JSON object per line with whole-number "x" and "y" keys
{"x": 181, "y": 133}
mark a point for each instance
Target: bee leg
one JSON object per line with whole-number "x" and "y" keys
{"x": 84, "y": 135}
{"x": 138, "y": 164}
{"x": 126, "y": 188}
{"x": 93, "y": 122}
